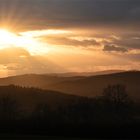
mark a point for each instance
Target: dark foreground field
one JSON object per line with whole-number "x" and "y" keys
{"x": 36, "y": 113}
{"x": 125, "y": 132}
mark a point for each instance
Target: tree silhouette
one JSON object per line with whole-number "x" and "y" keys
{"x": 117, "y": 104}
{"x": 116, "y": 94}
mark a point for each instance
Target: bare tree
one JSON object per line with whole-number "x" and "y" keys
{"x": 116, "y": 94}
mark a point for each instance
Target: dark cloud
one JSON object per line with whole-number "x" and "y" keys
{"x": 113, "y": 48}
{"x": 69, "y": 13}
{"x": 129, "y": 42}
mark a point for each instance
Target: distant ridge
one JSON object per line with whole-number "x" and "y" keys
{"x": 89, "y": 86}
{"x": 70, "y": 74}
{"x": 74, "y": 74}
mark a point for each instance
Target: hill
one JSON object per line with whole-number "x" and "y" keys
{"x": 74, "y": 74}
{"x": 89, "y": 86}
{"x": 29, "y": 98}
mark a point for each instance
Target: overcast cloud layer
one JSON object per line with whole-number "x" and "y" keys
{"x": 68, "y": 13}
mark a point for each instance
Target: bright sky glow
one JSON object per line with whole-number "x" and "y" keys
{"x": 28, "y": 42}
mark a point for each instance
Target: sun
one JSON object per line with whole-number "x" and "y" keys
{"x": 7, "y": 37}
{"x": 10, "y": 39}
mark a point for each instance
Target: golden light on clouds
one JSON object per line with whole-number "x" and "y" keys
{"x": 38, "y": 33}
{"x": 29, "y": 40}
{"x": 55, "y": 50}
{"x": 37, "y": 36}
{"x": 22, "y": 40}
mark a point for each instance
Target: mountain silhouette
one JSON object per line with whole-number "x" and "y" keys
{"x": 89, "y": 86}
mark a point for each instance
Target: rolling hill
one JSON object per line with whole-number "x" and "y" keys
{"x": 29, "y": 98}
{"x": 89, "y": 86}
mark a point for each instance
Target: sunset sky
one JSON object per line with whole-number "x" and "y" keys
{"x": 44, "y": 36}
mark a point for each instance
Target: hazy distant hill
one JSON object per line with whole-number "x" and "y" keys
{"x": 72, "y": 74}
{"x": 79, "y": 85}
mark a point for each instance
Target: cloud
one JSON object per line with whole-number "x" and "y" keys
{"x": 12, "y": 55}
{"x": 117, "y": 42}
{"x": 19, "y": 61}
{"x": 66, "y": 41}
{"x": 71, "y": 13}
{"x": 40, "y": 33}
{"x": 114, "y": 48}
{"x": 129, "y": 42}
{"x": 111, "y": 24}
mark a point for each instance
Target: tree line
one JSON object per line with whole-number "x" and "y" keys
{"x": 113, "y": 108}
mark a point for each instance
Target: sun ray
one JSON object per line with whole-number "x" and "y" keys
{"x": 9, "y": 39}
